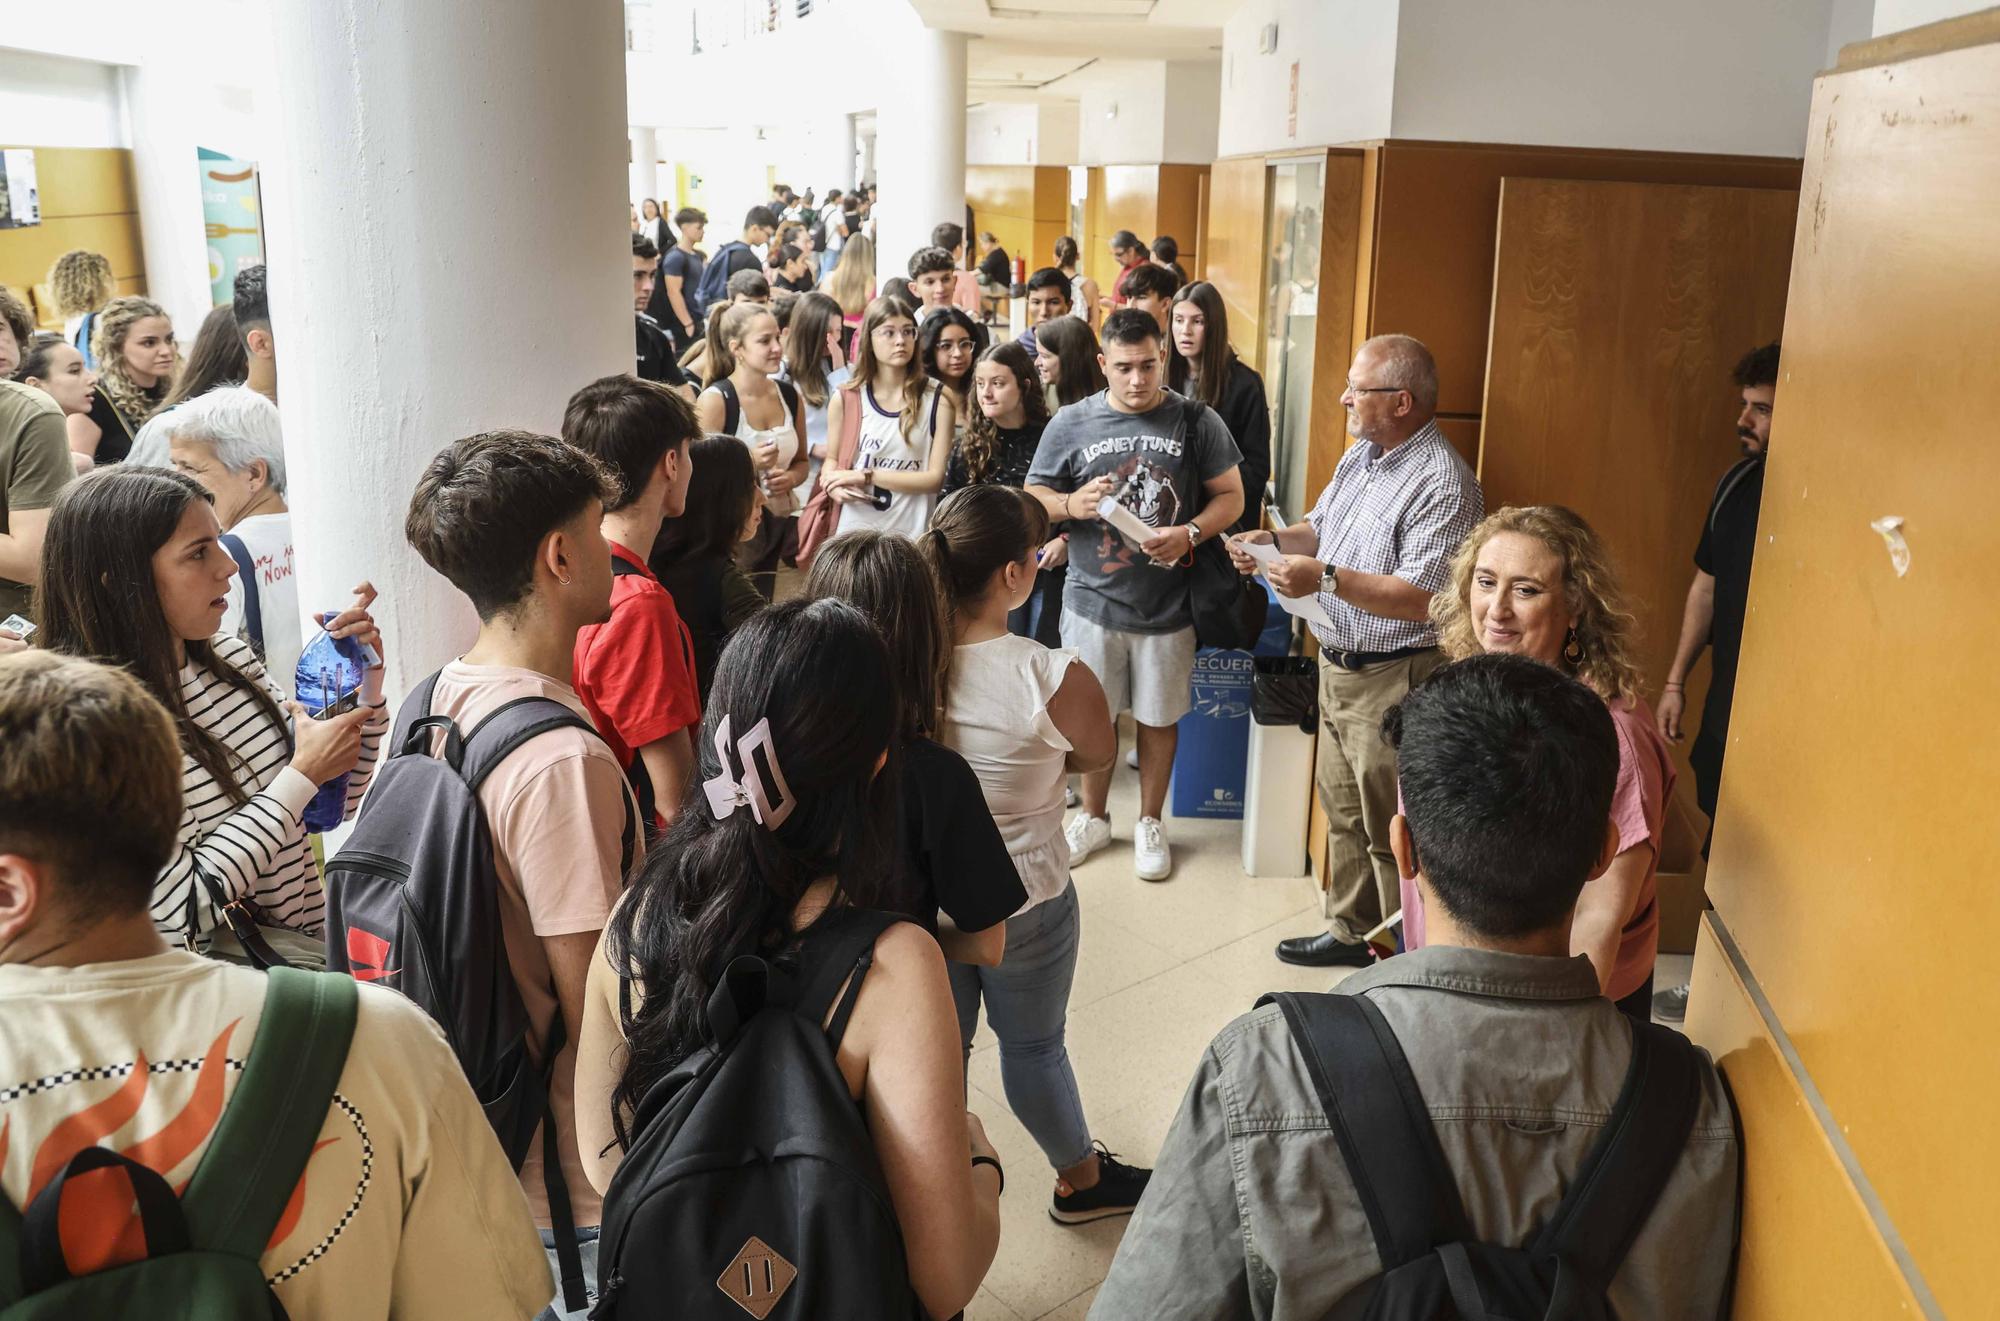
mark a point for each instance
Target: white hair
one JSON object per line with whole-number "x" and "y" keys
{"x": 151, "y": 447}
{"x": 1407, "y": 365}
{"x": 241, "y": 424}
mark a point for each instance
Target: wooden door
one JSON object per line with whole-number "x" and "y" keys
{"x": 1854, "y": 863}
{"x": 1618, "y": 311}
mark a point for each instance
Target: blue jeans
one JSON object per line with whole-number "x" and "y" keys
{"x": 587, "y": 1248}
{"x": 1027, "y": 1002}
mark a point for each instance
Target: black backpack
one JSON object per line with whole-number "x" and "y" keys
{"x": 732, "y": 407}
{"x": 413, "y": 902}
{"x": 752, "y": 1184}
{"x": 1433, "y": 1269}
{"x": 713, "y": 290}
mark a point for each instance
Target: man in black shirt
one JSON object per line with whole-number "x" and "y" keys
{"x": 675, "y": 303}
{"x": 656, "y": 358}
{"x": 1717, "y": 600}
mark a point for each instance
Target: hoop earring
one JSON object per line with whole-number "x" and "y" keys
{"x": 565, "y": 582}
{"x": 1572, "y": 650}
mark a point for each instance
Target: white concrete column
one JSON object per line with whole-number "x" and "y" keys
{"x": 646, "y": 166}
{"x": 920, "y": 145}
{"x": 843, "y": 162}
{"x": 444, "y": 260}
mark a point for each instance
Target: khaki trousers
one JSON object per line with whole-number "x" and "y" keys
{"x": 1356, "y": 771}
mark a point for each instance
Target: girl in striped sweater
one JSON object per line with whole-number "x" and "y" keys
{"x": 133, "y": 574}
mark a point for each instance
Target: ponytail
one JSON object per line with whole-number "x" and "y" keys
{"x": 729, "y": 328}
{"x": 977, "y": 532}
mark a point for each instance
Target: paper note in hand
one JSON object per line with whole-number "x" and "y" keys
{"x": 1307, "y": 608}
{"x": 1133, "y": 528}
{"x": 18, "y": 626}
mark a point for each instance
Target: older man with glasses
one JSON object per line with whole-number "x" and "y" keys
{"x": 1377, "y": 544}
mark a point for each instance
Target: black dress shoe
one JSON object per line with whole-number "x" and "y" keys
{"x": 1323, "y": 951}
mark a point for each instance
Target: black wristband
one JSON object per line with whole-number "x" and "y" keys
{"x": 988, "y": 1160}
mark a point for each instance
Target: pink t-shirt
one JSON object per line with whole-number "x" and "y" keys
{"x": 1639, "y": 807}
{"x": 557, "y": 810}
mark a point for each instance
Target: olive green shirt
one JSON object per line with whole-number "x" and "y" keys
{"x": 1251, "y": 1213}
{"x": 34, "y": 466}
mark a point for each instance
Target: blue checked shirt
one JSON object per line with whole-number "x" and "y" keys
{"x": 1403, "y": 512}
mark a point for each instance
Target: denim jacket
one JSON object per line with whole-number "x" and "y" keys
{"x": 1251, "y": 1212}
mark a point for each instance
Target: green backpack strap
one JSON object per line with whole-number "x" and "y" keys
{"x": 10, "y": 1252}
{"x": 267, "y": 1130}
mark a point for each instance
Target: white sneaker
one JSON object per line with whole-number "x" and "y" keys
{"x": 1086, "y": 834}
{"x": 1151, "y": 858}
{"x": 1132, "y": 756}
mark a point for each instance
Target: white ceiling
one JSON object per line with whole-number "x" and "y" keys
{"x": 1020, "y": 47}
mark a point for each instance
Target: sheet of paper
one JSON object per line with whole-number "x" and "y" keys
{"x": 1129, "y": 525}
{"x": 1307, "y": 608}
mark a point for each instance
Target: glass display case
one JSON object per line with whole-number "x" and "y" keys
{"x": 1298, "y": 194}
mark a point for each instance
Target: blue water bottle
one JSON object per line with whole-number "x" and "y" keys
{"x": 329, "y": 684}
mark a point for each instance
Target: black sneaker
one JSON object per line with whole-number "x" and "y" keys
{"x": 1115, "y": 1193}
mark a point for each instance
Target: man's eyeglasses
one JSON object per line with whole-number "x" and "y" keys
{"x": 1352, "y": 388}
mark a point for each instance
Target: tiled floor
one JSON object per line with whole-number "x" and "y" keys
{"x": 1163, "y": 967}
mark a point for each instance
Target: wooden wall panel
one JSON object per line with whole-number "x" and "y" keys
{"x": 1178, "y": 212}
{"x": 88, "y": 201}
{"x": 1618, "y": 310}
{"x": 1130, "y": 201}
{"x": 1002, "y": 198}
{"x": 1051, "y": 215}
{"x": 1238, "y": 219}
{"x": 1809, "y": 1247}
{"x": 1438, "y": 209}
{"x": 1859, "y": 792}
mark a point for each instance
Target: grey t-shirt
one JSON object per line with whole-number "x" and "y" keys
{"x": 1160, "y": 461}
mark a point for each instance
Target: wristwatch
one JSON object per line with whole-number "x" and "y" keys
{"x": 1329, "y": 579}
{"x": 1194, "y": 534}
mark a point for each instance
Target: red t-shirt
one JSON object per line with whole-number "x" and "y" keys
{"x": 635, "y": 671}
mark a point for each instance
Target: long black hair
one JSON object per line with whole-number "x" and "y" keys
{"x": 722, "y": 490}
{"x": 1074, "y": 345}
{"x": 1211, "y": 374}
{"x": 932, "y": 331}
{"x": 98, "y": 599}
{"x": 713, "y": 889}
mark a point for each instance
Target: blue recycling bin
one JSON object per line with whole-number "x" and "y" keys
{"x": 1213, "y": 759}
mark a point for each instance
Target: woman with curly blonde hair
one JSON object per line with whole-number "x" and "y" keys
{"x": 1538, "y": 582}
{"x": 82, "y": 284}
{"x": 136, "y": 365}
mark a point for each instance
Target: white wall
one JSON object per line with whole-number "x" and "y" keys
{"x": 1192, "y": 112}
{"x": 1121, "y": 111}
{"x": 1346, "y": 53}
{"x": 49, "y": 101}
{"x": 1003, "y": 133}
{"x": 1896, "y": 15}
{"x": 1694, "y": 75}
{"x": 1057, "y": 132}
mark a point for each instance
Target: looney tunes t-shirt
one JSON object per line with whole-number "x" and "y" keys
{"x": 1160, "y": 461}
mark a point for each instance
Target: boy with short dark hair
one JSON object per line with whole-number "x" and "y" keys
{"x": 1508, "y": 768}
{"x": 1048, "y": 298}
{"x": 933, "y": 276}
{"x": 513, "y": 519}
{"x": 1151, "y": 288}
{"x": 405, "y": 1205}
{"x": 636, "y": 670}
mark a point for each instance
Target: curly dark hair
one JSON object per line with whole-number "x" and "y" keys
{"x": 1757, "y": 367}
{"x": 981, "y": 446}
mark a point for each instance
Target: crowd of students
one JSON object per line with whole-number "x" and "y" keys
{"x": 692, "y": 772}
